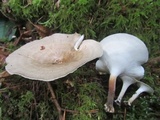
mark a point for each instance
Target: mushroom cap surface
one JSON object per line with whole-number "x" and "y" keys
{"x": 52, "y": 57}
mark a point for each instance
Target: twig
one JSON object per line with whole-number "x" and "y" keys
{"x": 99, "y": 2}
{"x": 35, "y": 101}
{"x": 55, "y": 101}
{"x": 30, "y": 117}
{"x": 70, "y": 111}
{"x": 124, "y": 118}
{"x": 7, "y": 16}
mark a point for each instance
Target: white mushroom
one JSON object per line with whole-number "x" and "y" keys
{"x": 52, "y": 57}
{"x": 127, "y": 81}
{"x": 142, "y": 88}
{"x": 123, "y": 55}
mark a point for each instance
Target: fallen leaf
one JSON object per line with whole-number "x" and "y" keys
{"x": 42, "y": 30}
{"x": 2, "y": 59}
{"x": 69, "y": 82}
{"x": 4, "y": 74}
{"x": 3, "y": 55}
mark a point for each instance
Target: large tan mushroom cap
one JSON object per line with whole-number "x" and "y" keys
{"x": 52, "y": 57}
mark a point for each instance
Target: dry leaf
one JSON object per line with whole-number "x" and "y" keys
{"x": 4, "y": 74}
{"x": 2, "y": 59}
{"x": 3, "y": 55}
{"x": 69, "y": 82}
{"x": 154, "y": 61}
{"x": 42, "y": 30}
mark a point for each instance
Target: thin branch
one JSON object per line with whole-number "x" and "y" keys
{"x": 55, "y": 101}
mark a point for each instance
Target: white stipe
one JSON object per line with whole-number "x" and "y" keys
{"x": 78, "y": 43}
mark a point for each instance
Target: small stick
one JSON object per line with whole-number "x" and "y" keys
{"x": 55, "y": 101}
{"x": 124, "y": 114}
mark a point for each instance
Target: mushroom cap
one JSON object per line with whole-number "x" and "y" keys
{"x": 52, "y": 57}
{"x": 144, "y": 87}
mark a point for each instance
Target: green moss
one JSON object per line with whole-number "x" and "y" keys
{"x": 85, "y": 99}
{"x": 95, "y": 19}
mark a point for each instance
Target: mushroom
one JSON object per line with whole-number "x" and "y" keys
{"x": 142, "y": 88}
{"x": 52, "y": 57}
{"x": 123, "y": 55}
{"x": 127, "y": 81}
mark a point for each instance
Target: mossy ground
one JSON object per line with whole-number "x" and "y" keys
{"x": 84, "y": 92}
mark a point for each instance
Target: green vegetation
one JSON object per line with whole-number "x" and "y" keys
{"x": 86, "y": 92}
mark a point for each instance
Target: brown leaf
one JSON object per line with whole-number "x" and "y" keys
{"x": 3, "y": 52}
{"x": 42, "y": 30}
{"x": 154, "y": 61}
{"x": 2, "y": 59}
{"x": 4, "y": 74}
{"x": 69, "y": 82}
{"x": 3, "y": 55}
{"x": 156, "y": 70}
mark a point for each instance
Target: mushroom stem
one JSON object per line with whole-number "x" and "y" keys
{"x": 78, "y": 43}
{"x": 127, "y": 81}
{"x": 55, "y": 101}
{"x": 142, "y": 88}
{"x": 111, "y": 93}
